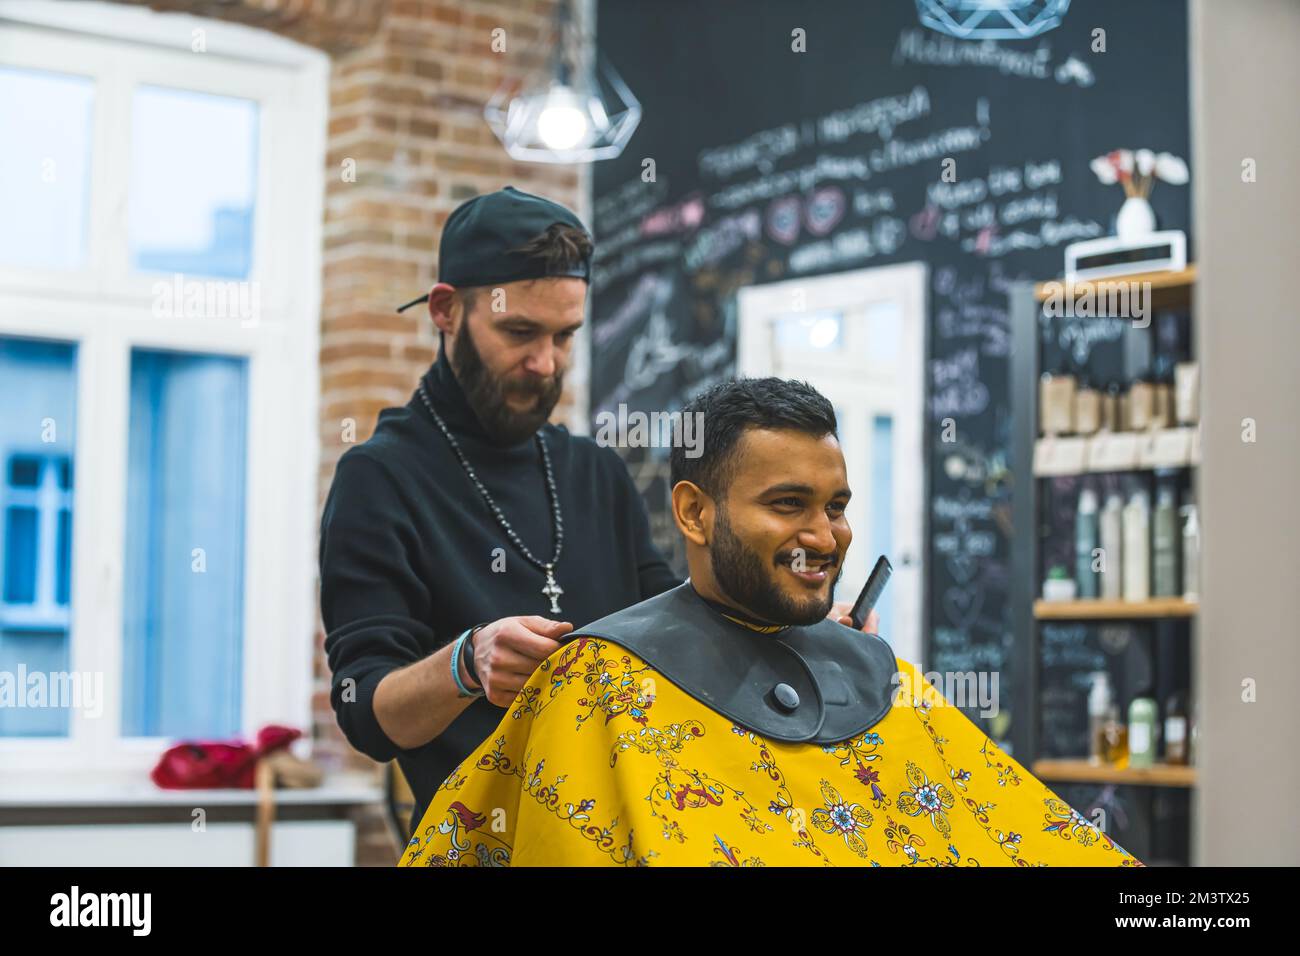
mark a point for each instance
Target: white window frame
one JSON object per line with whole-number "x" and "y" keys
{"x": 106, "y": 311}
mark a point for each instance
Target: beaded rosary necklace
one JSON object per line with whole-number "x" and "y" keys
{"x": 552, "y": 589}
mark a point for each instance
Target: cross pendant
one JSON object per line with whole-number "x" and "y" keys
{"x": 552, "y": 590}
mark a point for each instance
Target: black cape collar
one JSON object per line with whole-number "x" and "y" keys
{"x": 738, "y": 617}
{"x": 842, "y": 680}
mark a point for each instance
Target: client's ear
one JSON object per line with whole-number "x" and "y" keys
{"x": 693, "y": 512}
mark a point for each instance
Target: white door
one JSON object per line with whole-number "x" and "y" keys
{"x": 859, "y": 338}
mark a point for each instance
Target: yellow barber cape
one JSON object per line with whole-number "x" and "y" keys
{"x": 603, "y": 761}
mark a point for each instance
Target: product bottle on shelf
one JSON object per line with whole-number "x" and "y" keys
{"x": 1137, "y": 544}
{"x": 1162, "y": 369}
{"x": 1087, "y": 408}
{"x": 1165, "y": 545}
{"x": 1098, "y": 707}
{"x": 1085, "y": 542}
{"x": 1141, "y": 404}
{"x": 1111, "y": 418}
{"x": 1116, "y": 737}
{"x": 1191, "y": 552}
{"x": 1142, "y": 730}
{"x": 1056, "y": 404}
{"x": 1112, "y": 547}
{"x": 1187, "y": 388}
{"x": 1176, "y": 732}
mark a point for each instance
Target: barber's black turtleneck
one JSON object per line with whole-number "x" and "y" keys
{"x": 409, "y": 554}
{"x": 449, "y": 398}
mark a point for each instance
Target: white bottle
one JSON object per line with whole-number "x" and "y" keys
{"x": 1098, "y": 704}
{"x": 1112, "y": 546}
{"x": 1137, "y": 548}
{"x": 1085, "y": 544}
{"x": 1191, "y": 552}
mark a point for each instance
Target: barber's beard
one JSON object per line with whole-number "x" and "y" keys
{"x": 749, "y": 580}
{"x": 486, "y": 394}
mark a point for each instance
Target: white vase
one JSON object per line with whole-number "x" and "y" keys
{"x": 1136, "y": 218}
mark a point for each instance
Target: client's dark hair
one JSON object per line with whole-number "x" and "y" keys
{"x": 731, "y": 407}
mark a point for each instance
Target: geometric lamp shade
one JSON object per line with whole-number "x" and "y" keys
{"x": 568, "y": 116}
{"x": 992, "y": 19}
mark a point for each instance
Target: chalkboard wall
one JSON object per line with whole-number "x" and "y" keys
{"x": 771, "y": 164}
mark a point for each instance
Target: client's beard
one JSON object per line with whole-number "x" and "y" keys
{"x": 486, "y": 394}
{"x": 742, "y": 575}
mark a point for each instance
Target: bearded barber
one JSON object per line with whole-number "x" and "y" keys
{"x": 466, "y": 537}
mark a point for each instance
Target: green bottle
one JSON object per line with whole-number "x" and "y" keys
{"x": 1142, "y": 730}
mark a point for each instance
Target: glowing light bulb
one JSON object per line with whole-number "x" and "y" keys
{"x": 562, "y": 123}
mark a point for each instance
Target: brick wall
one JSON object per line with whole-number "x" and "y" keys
{"x": 408, "y": 83}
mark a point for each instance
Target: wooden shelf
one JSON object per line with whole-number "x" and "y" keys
{"x": 1095, "y": 609}
{"x": 1081, "y": 771}
{"x": 1150, "y": 450}
{"x": 1167, "y": 288}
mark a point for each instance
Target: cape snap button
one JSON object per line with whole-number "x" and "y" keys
{"x": 787, "y": 698}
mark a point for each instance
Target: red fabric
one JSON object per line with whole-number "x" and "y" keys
{"x": 217, "y": 764}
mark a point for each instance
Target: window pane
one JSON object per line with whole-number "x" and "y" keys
{"x": 183, "y": 624}
{"x": 21, "y": 547}
{"x": 46, "y": 124}
{"x": 24, "y": 471}
{"x": 884, "y": 331}
{"x": 193, "y": 180}
{"x": 812, "y": 330}
{"x": 36, "y": 443}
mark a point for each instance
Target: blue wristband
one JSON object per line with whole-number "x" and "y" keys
{"x": 455, "y": 666}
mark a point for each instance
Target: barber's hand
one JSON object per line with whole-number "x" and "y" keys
{"x": 506, "y": 652}
{"x": 840, "y": 611}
